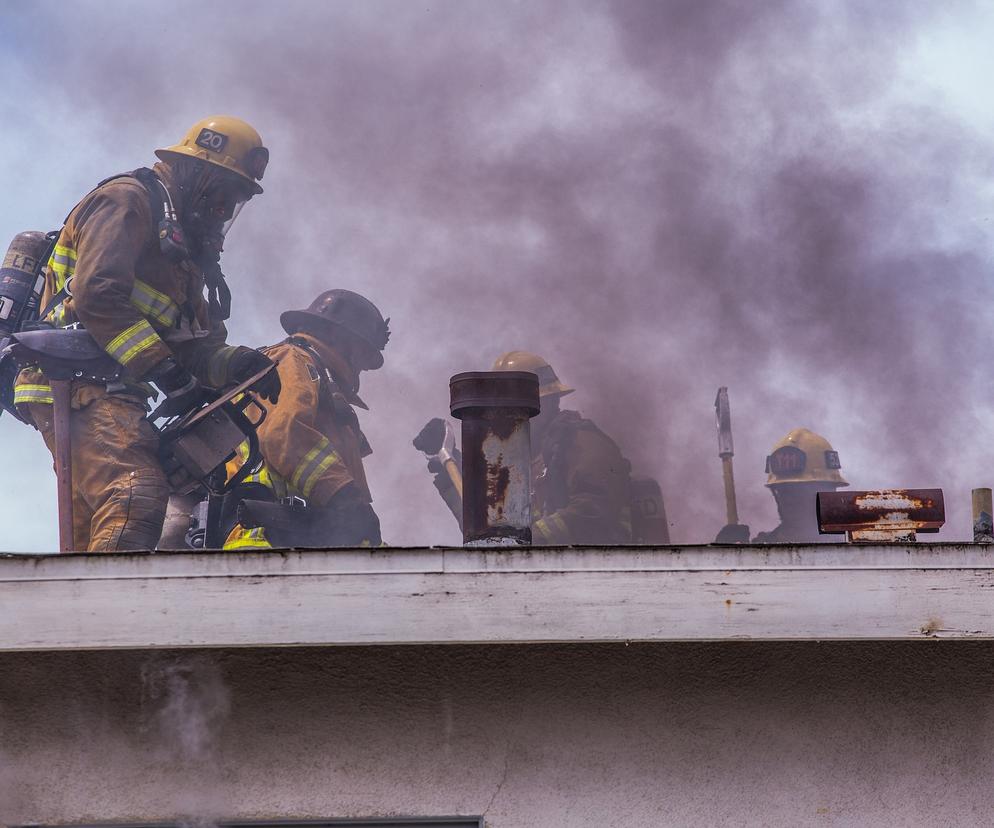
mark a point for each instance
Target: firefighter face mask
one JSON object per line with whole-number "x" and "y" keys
{"x": 215, "y": 203}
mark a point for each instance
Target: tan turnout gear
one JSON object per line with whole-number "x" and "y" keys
{"x": 582, "y": 485}
{"x": 110, "y": 273}
{"x": 227, "y": 142}
{"x": 803, "y": 457}
{"x": 119, "y": 489}
{"x": 139, "y": 305}
{"x": 311, "y": 440}
{"x": 548, "y": 381}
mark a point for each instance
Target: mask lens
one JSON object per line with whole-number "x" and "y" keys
{"x": 234, "y": 214}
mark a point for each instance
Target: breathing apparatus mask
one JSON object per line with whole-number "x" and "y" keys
{"x": 210, "y": 206}
{"x": 209, "y": 201}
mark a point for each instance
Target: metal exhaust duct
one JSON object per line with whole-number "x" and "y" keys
{"x": 494, "y": 407}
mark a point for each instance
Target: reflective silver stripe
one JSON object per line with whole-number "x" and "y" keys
{"x": 314, "y": 463}
{"x": 155, "y": 304}
{"x": 133, "y": 341}
{"x": 62, "y": 263}
{"x": 31, "y": 393}
{"x": 57, "y": 315}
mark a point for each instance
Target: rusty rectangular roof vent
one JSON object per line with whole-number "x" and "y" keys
{"x": 883, "y": 516}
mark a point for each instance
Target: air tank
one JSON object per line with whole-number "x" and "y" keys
{"x": 21, "y": 279}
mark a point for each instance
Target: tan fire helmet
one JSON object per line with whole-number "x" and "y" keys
{"x": 804, "y": 457}
{"x": 548, "y": 381}
{"x": 226, "y": 142}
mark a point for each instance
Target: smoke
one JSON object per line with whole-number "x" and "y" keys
{"x": 115, "y": 729}
{"x": 185, "y": 706}
{"x": 661, "y": 198}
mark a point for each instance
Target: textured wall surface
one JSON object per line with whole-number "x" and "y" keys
{"x": 582, "y": 735}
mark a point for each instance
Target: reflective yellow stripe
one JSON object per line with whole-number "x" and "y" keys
{"x": 62, "y": 263}
{"x": 558, "y": 523}
{"x": 26, "y": 393}
{"x": 57, "y": 315}
{"x": 552, "y": 528}
{"x": 315, "y": 462}
{"x": 241, "y": 538}
{"x": 260, "y": 476}
{"x": 270, "y": 479}
{"x": 133, "y": 341}
{"x": 540, "y": 533}
{"x": 154, "y": 304}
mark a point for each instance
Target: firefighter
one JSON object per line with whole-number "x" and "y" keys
{"x": 798, "y": 467}
{"x": 311, "y": 489}
{"x": 131, "y": 265}
{"x": 581, "y": 483}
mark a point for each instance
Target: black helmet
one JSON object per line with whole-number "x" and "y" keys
{"x": 342, "y": 310}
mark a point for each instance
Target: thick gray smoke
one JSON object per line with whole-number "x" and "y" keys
{"x": 660, "y": 197}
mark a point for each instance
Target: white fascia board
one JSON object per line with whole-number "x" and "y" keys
{"x": 452, "y": 596}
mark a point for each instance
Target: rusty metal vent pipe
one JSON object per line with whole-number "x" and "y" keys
{"x": 883, "y": 516}
{"x": 495, "y": 407}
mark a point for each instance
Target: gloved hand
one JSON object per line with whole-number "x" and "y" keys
{"x": 354, "y": 521}
{"x": 248, "y": 362}
{"x": 733, "y": 533}
{"x": 183, "y": 392}
{"x": 431, "y": 438}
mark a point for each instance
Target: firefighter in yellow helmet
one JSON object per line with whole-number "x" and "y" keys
{"x": 137, "y": 265}
{"x": 798, "y": 467}
{"x": 311, "y": 489}
{"x": 581, "y": 483}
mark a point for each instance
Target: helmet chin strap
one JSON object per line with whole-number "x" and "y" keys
{"x": 218, "y": 293}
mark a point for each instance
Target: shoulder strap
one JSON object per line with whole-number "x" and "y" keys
{"x": 338, "y": 400}
{"x": 325, "y": 374}
{"x": 148, "y": 180}
{"x": 339, "y": 403}
{"x": 167, "y": 228}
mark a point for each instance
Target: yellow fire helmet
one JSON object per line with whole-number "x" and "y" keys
{"x": 803, "y": 457}
{"x": 227, "y": 142}
{"x": 548, "y": 382}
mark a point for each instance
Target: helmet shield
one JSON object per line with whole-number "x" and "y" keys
{"x": 234, "y": 214}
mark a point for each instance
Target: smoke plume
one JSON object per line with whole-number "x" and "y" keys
{"x": 185, "y": 705}
{"x": 659, "y": 197}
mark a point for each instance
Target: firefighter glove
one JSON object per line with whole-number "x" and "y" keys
{"x": 247, "y": 363}
{"x": 357, "y": 523}
{"x": 733, "y": 533}
{"x": 183, "y": 392}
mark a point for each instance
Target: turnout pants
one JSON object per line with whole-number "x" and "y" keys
{"x": 119, "y": 489}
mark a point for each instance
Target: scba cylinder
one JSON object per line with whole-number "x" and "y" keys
{"x": 20, "y": 278}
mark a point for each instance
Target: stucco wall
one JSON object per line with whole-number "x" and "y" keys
{"x": 540, "y": 735}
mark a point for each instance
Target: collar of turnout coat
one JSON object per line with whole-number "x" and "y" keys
{"x": 344, "y": 375}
